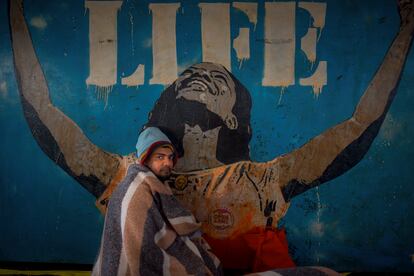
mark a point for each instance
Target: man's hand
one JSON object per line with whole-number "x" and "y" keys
{"x": 406, "y": 9}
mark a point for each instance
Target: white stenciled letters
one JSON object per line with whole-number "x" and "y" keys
{"x": 308, "y": 44}
{"x": 103, "y": 42}
{"x": 215, "y": 30}
{"x": 279, "y": 41}
{"x": 164, "y": 45}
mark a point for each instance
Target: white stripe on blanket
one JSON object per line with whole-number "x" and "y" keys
{"x": 166, "y": 264}
{"x": 179, "y": 220}
{"x": 191, "y": 245}
{"x": 160, "y": 234}
{"x": 128, "y": 195}
{"x": 123, "y": 264}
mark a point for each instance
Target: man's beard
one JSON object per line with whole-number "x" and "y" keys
{"x": 165, "y": 176}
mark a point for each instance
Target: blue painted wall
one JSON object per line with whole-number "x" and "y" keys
{"x": 362, "y": 220}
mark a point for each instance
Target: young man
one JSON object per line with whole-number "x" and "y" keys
{"x": 147, "y": 231}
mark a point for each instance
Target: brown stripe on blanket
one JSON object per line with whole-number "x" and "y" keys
{"x": 186, "y": 228}
{"x": 157, "y": 186}
{"x": 175, "y": 267}
{"x": 136, "y": 216}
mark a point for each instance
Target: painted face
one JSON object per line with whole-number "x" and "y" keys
{"x": 209, "y": 84}
{"x": 161, "y": 162}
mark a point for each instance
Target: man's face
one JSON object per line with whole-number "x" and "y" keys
{"x": 161, "y": 162}
{"x": 211, "y": 85}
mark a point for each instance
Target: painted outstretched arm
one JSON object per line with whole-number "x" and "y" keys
{"x": 58, "y": 136}
{"x": 341, "y": 147}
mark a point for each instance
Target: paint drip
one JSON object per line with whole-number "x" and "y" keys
{"x": 131, "y": 20}
{"x": 282, "y": 91}
{"x": 318, "y": 221}
{"x": 102, "y": 93}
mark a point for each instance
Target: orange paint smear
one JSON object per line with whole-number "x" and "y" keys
{"x": 102, "y": 202}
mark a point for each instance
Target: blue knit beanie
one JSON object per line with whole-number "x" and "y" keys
{"x": 148, "y": 140}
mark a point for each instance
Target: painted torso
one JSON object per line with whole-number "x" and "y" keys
{"x": 232, "y": 199}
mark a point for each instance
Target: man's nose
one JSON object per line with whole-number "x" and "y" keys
{"x": 168, "y": 162}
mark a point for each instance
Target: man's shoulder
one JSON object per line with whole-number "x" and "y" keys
{"x": 132, "y": 174}
{"x": 136, "y": 168}
{"x": 125, "y": 190}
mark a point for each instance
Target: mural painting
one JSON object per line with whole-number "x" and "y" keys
{"x": 208, "y": 112}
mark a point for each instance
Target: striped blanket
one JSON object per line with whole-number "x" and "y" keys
{"x": 148, "y": 232}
